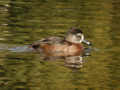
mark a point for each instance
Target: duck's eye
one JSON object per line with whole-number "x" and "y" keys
{"x": 35, "y": 46}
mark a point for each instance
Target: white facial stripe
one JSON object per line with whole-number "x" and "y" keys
{"x": 82, "y": 38}
{"x": 74, "y": 38}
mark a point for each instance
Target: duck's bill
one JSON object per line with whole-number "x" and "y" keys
{"x": 86, "y": 42}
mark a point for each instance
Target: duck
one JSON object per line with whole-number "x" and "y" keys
{"x": 69, "y": 45}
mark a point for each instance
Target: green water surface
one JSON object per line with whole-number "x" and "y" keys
{"x": 25, "y": 21}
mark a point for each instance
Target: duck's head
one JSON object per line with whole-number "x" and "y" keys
{"x": 76, "y": 36}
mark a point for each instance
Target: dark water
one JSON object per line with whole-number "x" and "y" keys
{"x": 25, "y": 21}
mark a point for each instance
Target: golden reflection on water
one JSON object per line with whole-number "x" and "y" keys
{"x": 23, "y": 22}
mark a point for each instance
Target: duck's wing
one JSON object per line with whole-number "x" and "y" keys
{"x": 56, "y": 39}
{"x": 50, "y": 40}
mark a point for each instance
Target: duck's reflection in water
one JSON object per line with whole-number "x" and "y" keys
{"x": 74, "y": 62}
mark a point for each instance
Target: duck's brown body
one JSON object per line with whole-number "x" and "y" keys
{"x": 64, "y": 48}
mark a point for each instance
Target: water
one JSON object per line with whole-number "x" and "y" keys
{"x": 25, "y": 21}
